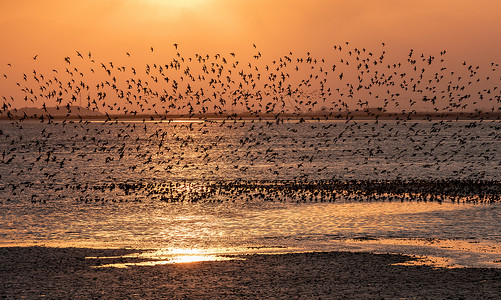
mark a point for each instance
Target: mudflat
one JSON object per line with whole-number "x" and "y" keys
{"x": 43, "y": 272}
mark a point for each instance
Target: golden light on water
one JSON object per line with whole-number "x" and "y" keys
{"x": 436, "y": 253}
{"x": 167, "y": 256}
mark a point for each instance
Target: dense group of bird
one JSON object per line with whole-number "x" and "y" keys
{"x": 218, "y": 128}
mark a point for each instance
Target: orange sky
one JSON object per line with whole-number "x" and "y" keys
{"x": 53, "y": 29}
{"x": 465, "y": 27}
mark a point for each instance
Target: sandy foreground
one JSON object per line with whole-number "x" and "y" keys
{"x": 69, "y": 273}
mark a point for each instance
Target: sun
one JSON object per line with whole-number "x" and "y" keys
{"x": 179, "y": 3}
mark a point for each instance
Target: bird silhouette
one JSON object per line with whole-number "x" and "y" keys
{"x": 275, "y": 119}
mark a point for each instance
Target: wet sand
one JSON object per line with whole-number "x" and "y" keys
{"x": 40, "y": 272}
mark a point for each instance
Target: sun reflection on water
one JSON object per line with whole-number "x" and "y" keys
{"x": 167, "y": 256}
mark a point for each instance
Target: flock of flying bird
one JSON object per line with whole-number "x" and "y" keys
{"x": 246, "y": 115}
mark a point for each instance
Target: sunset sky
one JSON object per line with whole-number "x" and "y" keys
{"x": 53, "y": 29}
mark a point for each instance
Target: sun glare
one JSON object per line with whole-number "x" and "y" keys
{"x": 165, "y": 257}
{"x": 179, "y": 4}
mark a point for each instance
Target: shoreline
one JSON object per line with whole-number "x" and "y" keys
{"x": 430, "y": 252}
{"x": 32, "y": 272}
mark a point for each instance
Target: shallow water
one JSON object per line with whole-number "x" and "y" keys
{"x": 51, "y": 191}
{"x": 237, "y": 229}
{"x": 184, "y": 150}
